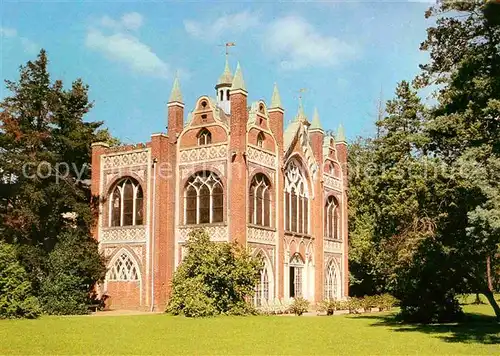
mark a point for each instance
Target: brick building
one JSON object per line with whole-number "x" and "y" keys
{"x": 232, "y": 169}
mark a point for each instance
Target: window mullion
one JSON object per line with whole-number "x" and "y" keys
{"x": 211, "y": 205}
{"x": 197, "y": 206}
{"x": 134, "y": 202}
{"x": 122, "y": 203}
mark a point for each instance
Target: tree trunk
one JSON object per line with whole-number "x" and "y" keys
{"x": 478, "y": 300}
{"x": 491, "y": 298}
{"x": 488, "y": 273}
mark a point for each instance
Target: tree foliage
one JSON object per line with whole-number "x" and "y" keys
{"x": 73, "y": 267}
{"x": 45, "y": 153}
{"x": 214, "y": 278}
{"x": 16, "y": 298}
{"x": 434, "y": 191}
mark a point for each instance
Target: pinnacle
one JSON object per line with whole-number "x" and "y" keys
{"x": 276, "y": 99}
{"x": 176, "y": 94}
{"x": 238, "y": 82}
{"x": 315, "y": 123}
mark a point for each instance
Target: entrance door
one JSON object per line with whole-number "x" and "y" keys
{"x": 295, "y": 282}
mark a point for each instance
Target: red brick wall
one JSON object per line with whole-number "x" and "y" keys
{"x": 237, "y": 179}
{"x": 317, "y": 214}
{"x": 269, "y": 144}
{"x": 276, "y": 116}
{"x": 189, "y": 138}
{"x": 124, "y": 295}
{"x": 342, "y": 157}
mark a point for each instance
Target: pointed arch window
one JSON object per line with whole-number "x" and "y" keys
{"x": 204, "y": 137}
{"x": 260, "y": 200}
{"x": 260, "y": 140}
{"x": 331, "y": 281}
{"x": 295, "y": 275}
{"x": 123, "y": 269}
{"x": 261, "y": 295}
{"x": 204, "y": 199}
{"x": 296, "y": 200}
{"x": 126, "y": 204}
{"x": 332, "y": 218}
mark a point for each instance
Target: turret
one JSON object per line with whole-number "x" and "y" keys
{"x": 317, "y": 135}
{"x": 237, "y": 169}
{"x": 223, "y": 88}
{"x": 175, "y": 109}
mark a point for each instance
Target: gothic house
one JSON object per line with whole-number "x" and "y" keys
{"x": 232, "y": 168}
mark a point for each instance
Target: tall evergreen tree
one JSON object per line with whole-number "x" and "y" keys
{"x": 45, "y": 150}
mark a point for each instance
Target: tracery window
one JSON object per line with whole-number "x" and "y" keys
{"x": 295, "y": 276}
{"x": 204, "y": 137}
{"x": 331, "y": 278}
{"x": 123, "y": 269}
{"x": 260, "y": 200}
{"x": 296, "y": 200}
{"x": 332, "y": 218}
{"x": 261, "y": 295}
{"x": 260, "y": 139}
{"x": 126, "y": 204}
{"x": 204, "y": 199}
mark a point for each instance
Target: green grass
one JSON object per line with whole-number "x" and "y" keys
{"x": 374, "y": 333}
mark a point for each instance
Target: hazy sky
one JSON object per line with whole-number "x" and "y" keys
{"x": 344, "y": 53}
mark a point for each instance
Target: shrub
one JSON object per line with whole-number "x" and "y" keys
{"x": 214, "y": 278}
{"x": 368, "y": 302}
{"x": 329, "y": 306}
{"x": 16, "y": 299}
{"x": 74, "y": 266}
{"x": 299, "y": 306}
{"x": 353, "y": 305}
{"x": 385, "y": 302}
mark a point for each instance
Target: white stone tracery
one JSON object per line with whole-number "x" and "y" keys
{"x": 332, "y": 219}
{"x": 296, "y": 275}
{"x": 126, "y": 204}
{"x": 123, "y": 268}
{"x": 204, "y": 199}
{"x": 260, "y": 200}
{"x": 296, "y": 199}
{"x": 332, "y": 281}
{"x": 264, "y": 287}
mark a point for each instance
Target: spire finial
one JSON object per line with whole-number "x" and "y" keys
{"x": 276, "y": 99}
{"x": 176, "y": 94}
{"x": 238, "y": 82}
{"x": 226, "y": 77}
{"x": 315, "y": 123}
{"x": 340, "y": 135}
{"x": 300, "y": 112}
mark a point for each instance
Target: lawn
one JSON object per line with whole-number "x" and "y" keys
{"x": 374, "y": 333}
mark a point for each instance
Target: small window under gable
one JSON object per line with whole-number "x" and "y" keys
{"x": 260, "y": 139}
{"x": 204, "y": 137}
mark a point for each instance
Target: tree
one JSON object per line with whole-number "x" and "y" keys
{"x": 45, "y": 153}
{"x": 73, "y": 268}
{"x": 214, "y": 278}
{"x": 464, "y": 132}
{"x": 388, "y": 190}
{"x": 16, "y": 296}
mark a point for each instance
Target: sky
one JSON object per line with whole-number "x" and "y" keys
{"x": 346, "y": 54}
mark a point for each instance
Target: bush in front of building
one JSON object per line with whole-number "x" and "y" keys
{"x": 382, "y": 302}
{"x": 73, "y": 268}
{"x": 16, "y": 297}
{"x": 299, "y": 306}
{"x": 213, "y": 278}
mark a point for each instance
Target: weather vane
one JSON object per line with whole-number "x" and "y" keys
{"x": 301, "y": 90}
{"x": 227, "y": 45}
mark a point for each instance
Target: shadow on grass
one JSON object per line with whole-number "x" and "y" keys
{"x": 476, "y": 328}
